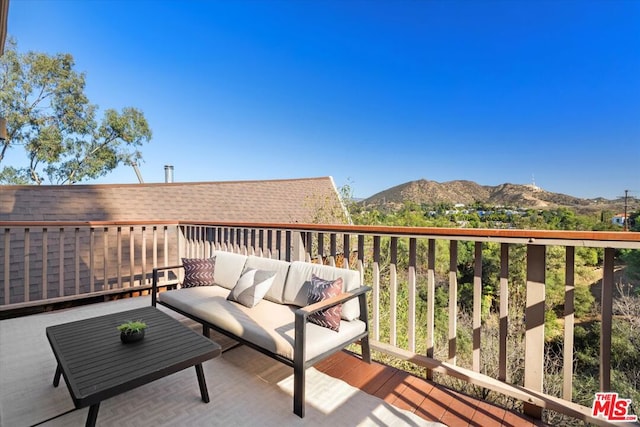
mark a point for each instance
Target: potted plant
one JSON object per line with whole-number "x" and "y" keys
{"x": 132, "y": 331}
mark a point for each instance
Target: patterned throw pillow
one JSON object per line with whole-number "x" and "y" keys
{"x": 198, "y": 272}
{"x": 252, "y": 287}
{"x": 322, "y": 290}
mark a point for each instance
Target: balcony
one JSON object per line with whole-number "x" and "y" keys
{"x": 56, "y": 264}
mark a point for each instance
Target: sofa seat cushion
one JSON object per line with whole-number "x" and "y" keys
{"x": 268, "y": 325}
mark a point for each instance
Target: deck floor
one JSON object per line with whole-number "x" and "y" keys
{"x": 428, "y": 400}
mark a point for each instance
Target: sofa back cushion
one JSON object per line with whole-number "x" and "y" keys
{"x": 229, "y": 268}
{"x": 281, "y": 269}
{"x": 296, "y": 289}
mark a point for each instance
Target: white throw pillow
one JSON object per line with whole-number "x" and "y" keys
{"x": 252, "y": 287}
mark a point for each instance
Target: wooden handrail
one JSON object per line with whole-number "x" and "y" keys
{"x": 456, "y": 233}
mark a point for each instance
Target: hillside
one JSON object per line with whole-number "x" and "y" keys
{"x": 469, "y": 192}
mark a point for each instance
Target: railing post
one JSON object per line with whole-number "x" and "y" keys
{"x": 431, "y": 293}
{"x": 76, "y": 257}
{"x": 45, "y": 263}
{"x": 105, "y": 258}
{"x": 376, "y": 287}
{"x": 346, "y": 244}
{"x": 607, "y": 317}
{"x": 320, "y": 248}
{"x": 333, "y": 249}
{"x": 61, "y": 263}
{"x": 92, "y": 259}
{"x": 7, "y": 258}
{"x": 569, "y": 295}
{"x": 361, "y": 256}
{"x": 132, "y": 255}
{"x": 27, "y": 264}
{"x": 119, "y": 255}
{"x": 393, "y": 291}
{"x": 166, "y": 243}
{"x": 143, "y": 257}
{"x": 477, "y": 306}
{"x": 534, "y": 324}
{"x": 307, "y": 238}
{"x": 253, "y": 242}
{"x": 413, "y": 263}
{"x": 504, "y": 311}
{"x": 269, "y": 243}
{"x": 453, "y": 300}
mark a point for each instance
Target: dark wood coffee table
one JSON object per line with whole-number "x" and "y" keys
{"x": 96, "y": 365}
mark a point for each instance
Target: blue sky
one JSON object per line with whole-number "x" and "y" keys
{"x": 374, "y": 93}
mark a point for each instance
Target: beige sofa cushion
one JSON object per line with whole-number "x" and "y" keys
{"x": 251, "y": 287}
{"x": 281, "y": 268}
{"x": 298, "y": 282}
{"x": 229, "y": 268}
{"x": 268, "y": 325}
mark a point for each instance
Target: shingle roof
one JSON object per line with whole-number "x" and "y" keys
{"x": 288, "y": 200}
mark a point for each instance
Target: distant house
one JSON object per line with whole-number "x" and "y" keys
{"x": 619, "y": 219}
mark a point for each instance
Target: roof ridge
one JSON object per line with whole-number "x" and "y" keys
{"x": 154, "y": 184}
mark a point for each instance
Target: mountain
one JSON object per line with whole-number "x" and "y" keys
{"x": 469, "y": 192}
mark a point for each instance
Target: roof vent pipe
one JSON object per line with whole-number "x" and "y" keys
{"x": 168, "y": 173}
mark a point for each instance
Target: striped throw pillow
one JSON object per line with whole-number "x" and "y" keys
{"x": 321, "y": 290}
{"x": 198, "y": 272}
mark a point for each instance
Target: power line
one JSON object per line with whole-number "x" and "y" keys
{"x": 625, "y": 220}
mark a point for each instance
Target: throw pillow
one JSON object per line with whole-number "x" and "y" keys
{"x": 252, "y": 287}
{"x": 322, "y": 290}
{"x": 198, "y": 272}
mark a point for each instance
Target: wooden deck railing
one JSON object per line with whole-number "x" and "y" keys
{"x": 401, "y": 264}
{"x": 45, "y": 262}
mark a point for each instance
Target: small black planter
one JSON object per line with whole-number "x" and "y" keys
{"x": 131, "y": 337}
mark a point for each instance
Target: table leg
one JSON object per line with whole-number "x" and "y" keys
{"x": 202, "y": 383}
{"x": 93, "y": 415}
{"x": 56, "y": 377}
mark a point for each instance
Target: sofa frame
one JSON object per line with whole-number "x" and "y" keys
{"x": 299, "y": 362}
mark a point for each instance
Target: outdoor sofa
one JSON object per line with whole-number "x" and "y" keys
{"x": 281, "y": 324}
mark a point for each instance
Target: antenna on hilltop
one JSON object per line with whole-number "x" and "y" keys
{"x": 533, "y": 180}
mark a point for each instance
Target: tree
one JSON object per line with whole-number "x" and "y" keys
{"x": 50, "y": 117}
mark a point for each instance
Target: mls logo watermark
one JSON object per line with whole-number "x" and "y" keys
{"x": 612, "y": 408}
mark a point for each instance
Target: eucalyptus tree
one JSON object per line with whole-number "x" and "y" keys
{"x": 53, "y": 123}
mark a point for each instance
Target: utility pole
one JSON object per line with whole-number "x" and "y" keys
{"x": 626, "y": 204}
